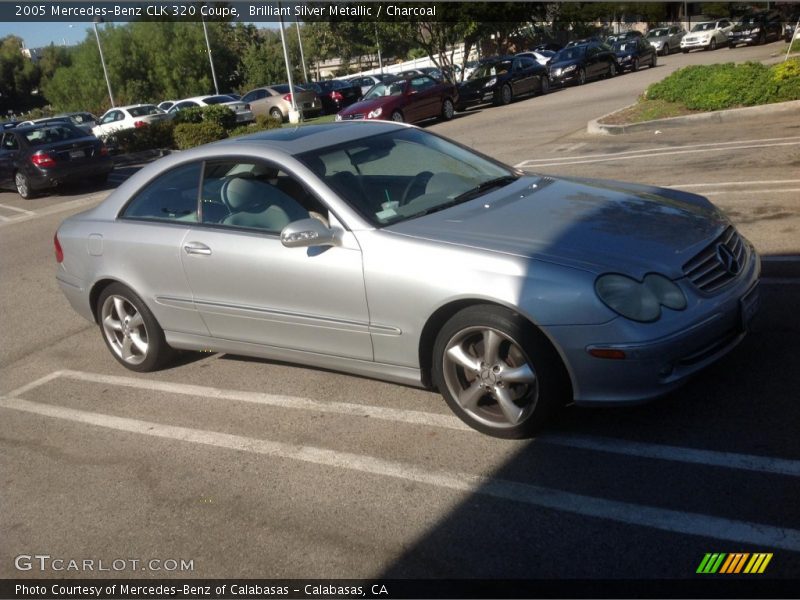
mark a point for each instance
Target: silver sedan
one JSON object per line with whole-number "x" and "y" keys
{"x": 387, "y": 251}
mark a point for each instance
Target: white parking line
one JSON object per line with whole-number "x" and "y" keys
{"x": 57, "y": 208}
{"x": 646, "y": 154}
{"x": 741, "y": 532}
{"x": 15, "y": 209}
{"x": 729, "y": 460}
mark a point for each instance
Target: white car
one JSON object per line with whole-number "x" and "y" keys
{"x": 707, "y": 35}
{"x": 128, "y": 117}
{"x": 242, "y": 109}
{"x": 366, "y": 81}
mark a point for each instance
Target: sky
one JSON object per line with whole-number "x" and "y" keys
{"x": 36, "y": 35}
{"x": 43, "y": 34}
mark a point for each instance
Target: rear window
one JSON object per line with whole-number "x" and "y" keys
{"x": 217, "y": 99}
{"x": 52, "y": 134}
{"x": 141, "y": 111}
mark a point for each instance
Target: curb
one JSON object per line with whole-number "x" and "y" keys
{"x": 720, "y": 116}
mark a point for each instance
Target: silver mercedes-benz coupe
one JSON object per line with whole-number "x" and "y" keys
{"x": 383, "y": 250}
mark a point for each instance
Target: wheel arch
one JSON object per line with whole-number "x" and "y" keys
{"x": 444, "y": 313}
{"x": 97, "y": 290}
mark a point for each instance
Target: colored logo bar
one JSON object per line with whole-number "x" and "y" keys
{"x": 734, "y": 563}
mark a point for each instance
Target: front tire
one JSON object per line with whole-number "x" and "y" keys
{"x": 581, "y": 76}
{"x": 505, "y": 95}
{"x": 712, "y": 45}
{"x": 544, "y": 85}
{"x": 497, "y": 372}
{"x": 635, "y": 66}
{"x": 397, "y": 116}
{"x": 130, "y": 331}
{"x": 654, "y": 62}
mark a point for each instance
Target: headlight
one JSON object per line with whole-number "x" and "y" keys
{"x": 569, "y": 68}
{"x": 491, "y": 82}
{"x": 625, "y": 58}
{"x": 338, "y": 117}
{"x": 639, "y": 301}
{"x": 755, "y": 30}
{"x": 374, "y": 114}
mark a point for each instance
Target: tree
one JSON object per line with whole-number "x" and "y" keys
{"x": 19, "y": 77}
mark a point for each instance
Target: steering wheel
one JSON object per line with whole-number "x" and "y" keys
{"x": 417, "y": 184}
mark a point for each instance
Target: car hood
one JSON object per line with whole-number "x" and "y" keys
{"x": 563, "y": 63}
{"x": 591, "y": 224}
{"x": 475, "y": 84}
{"x": 365, "y": 106}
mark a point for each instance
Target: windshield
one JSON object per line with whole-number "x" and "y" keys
{"x": 570, "y": 53}
{"x": 491, "y": 69}
{"x": 751, "y": 20}
{"x": 406, "y": 173}
{"x": 625, "y": 46}
{"x": 657, "y": 33}
{"x": 388, "y": 88}
{"x": 703, "y": 27}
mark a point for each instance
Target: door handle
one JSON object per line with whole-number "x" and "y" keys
{"x": 197, "y": 248}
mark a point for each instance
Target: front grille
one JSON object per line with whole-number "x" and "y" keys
{"x": 707, "y": 271}
{"x": 355, "y": 116}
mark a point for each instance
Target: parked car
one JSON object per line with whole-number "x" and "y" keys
{"x": 549, "y": 46}
{"x": 409, "y": 99}
{"x": 665, "y": 40}
{"x": 166, "y": 104}
{"x": 84, "y": 121}
{"x": 44, "y": 121}
{"x": 276, "y": 101}
{"x": 621, "y": 37}
{"x": 34, "y": 158}
{"x": 500, "y": 79}
{"x": 540, "y": 56}
{"x": 757, "y": 28}
{"x": 386, "y": 251}
{"x": 335, "y": 94}
{"x": 128, "y": 117}
{"x": 633, "y": 53}
{"x": 9, "y": 124}
{"x": 242, "y": 110}
{"x": 367, "y": 81}
{"x": 578, "y": 64}
{"x": 707, "y": 35}
{"x": 790, "y": 27}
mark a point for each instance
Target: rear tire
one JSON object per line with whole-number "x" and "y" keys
{"x": 276, "y": 113}
{"x": 448, "y": 110}
{"x": 130, "y": 331}
{"x": 23, "y": 185}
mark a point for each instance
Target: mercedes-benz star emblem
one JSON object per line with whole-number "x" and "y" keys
{"x": 727, "y": 259}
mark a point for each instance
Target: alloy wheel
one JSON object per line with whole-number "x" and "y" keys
{"x": 124, "y": 329}
{"x": 490, "y": 377}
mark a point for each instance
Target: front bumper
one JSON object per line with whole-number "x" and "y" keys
{"x": 467, "y": 98}
{"x": 558, "y": 77}
{"x": 750, "y": 38}
{"x": 692, "y": 45}
{"x": 654, "y": 366}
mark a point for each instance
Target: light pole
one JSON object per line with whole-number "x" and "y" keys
{"x": 302, "y": 57}
{"x": 294, "y": 115}
{"x": 378, "y": 45}
{"x": 103, "y": 60}
{"x": 210, "y": 59}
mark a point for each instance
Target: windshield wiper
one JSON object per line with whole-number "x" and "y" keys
{"x": 469, "y": 194}
{"x": 483, "y": 187}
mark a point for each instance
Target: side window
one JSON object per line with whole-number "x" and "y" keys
{"x": 253, "y": 196}
{"x": 109, "y": 117}
{"x": 170, "y": 197}
{"x": 10, "y": 142}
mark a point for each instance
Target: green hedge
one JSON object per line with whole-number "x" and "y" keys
{"x": 189, "y": 135}
{"x": 221, "y": 115}
{"x": 150, "y": 137}
{"x": 716, "y": 87}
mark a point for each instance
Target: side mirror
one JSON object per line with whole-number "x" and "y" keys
{"x": 307, "y": 233}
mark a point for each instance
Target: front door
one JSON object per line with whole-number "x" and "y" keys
{"x": 248, "y": 287}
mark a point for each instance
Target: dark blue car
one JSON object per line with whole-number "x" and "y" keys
{"x": 500, "y": 79}
{"x": 634, "y": 53}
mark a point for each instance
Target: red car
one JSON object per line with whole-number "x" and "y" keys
{"x": 413, "y": 98}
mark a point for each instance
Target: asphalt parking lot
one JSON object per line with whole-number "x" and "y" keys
{"x": 251, "y": 468}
